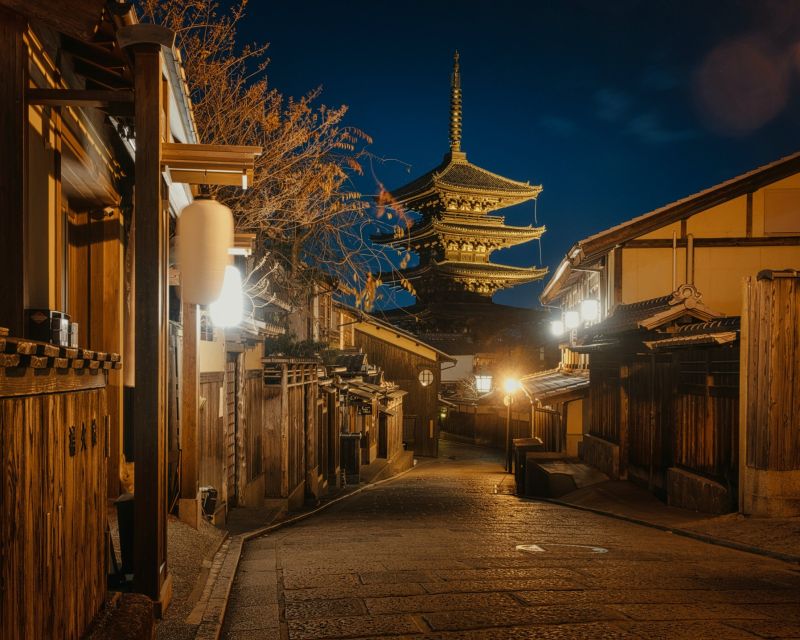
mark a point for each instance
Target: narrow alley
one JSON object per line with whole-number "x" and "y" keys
{"x": 446, "y": 551}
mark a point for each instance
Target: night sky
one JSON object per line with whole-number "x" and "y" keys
{"x": 615, "y": 107}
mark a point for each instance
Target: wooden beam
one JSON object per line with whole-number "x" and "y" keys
{"x": 77, "y": 18}
{"x": 765, "y": 241}
{"x": 79, "y": 97}
{"x": 149, "y": 411}
{"x": 13, "y": 140}
{"x": 749, "y": 216}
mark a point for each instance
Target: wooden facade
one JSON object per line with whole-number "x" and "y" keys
{"x": 408, "y": 362}
{"x": 54, "y": 448}
{"x": 770, "y": 387}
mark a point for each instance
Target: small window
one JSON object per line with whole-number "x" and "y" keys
{"x": 426, "y": 377}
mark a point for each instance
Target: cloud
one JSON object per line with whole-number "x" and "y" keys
{"x": 611, "y": 105}
{"x": 649, "y": 128}
{"x": 558, "y": 125}
{"x": 657, "y": 78}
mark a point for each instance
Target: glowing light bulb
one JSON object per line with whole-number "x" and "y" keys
{"x": 511, "y": 385}
{"x": 590, "y": 310}
{"x": 226, "y": 311}
{"x": 557, "y": 327}
{"x": 572, "y": 319}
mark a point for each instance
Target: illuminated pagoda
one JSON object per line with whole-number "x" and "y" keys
{"x": 454, "y": 280}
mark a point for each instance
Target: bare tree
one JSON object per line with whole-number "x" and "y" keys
{"x": 308, "y": 217}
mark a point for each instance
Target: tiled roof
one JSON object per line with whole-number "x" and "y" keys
{"x": 459, "y": 175}
{"x": 548, "y": 384}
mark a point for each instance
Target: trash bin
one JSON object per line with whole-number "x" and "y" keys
{"x": 125, "y": 524}
{"x": 351, "y": 457}
{"x": 521, "y": 447}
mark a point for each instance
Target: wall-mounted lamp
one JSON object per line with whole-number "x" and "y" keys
{"x": 590, "y": 310}
{"x": 572, "y": 320}
{"x": 557, "y": 327}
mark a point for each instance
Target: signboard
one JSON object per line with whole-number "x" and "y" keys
{"x": 365, "y": 409}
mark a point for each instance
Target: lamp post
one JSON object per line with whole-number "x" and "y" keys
{"x": 511, "y": 386}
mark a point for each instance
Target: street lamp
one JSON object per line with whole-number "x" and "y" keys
{"x": 511, "y": 386}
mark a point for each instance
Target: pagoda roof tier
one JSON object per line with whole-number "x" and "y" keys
{"x": 486, "y": 229}
{"x": 458, "y": 177}
{"x": 485, "y": 271}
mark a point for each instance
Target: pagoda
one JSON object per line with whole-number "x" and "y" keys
{"x": 454, "y": 280}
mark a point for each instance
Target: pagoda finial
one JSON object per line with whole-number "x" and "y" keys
{"x": 455, "y": 106}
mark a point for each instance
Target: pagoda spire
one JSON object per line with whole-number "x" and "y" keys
{"x": 455, "y": 106}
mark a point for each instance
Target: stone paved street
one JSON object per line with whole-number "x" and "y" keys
{"x": 434, "y": 554}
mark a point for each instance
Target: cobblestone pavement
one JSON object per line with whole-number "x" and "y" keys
{"x": 434, "y": 554}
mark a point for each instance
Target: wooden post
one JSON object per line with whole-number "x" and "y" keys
{"x": 744, "y": 385}
{"x": 150, "y": 406}
{"x": 13, "y": 138}
{"x": 189, "y": 506}
{"x": 624, "y": 372}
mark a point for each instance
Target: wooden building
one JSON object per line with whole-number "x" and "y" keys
{"x": 662, "y": 404}
{"x": 94, "y": 105}
{"x": 412, "y": 364}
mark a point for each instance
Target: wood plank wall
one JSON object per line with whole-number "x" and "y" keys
{"x": 707, "y": 412}
{"x": 211, "y": 468}
{"x": 253, "y": 425}
{"x": 604, "y": 398}
{"x": 771, "y": 338}
{"x": 52, "y": 532}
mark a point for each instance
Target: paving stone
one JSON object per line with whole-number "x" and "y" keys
{"x": 439, "y": 602}
{"x": 320, "y": 580}
{"x": 250, "y": 618}
{"x": 767, "y": 628}
{"x": 331, "y": 608}
{"x": 465, "y": 586}
{"x": 266, "y": 593}
{"x": 705, "y": 611}
{"x": 684, "y": 630}
{"x": 432, "y": 556}
{"x": 499, "y": 617}
{"x": 373, "y": 577}
{"x": 356, "y": 591}
{"x": 351, "y": 627}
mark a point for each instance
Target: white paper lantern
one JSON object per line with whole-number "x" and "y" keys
{"x": 204, "y": 235}
{"x": 226, "y": 311}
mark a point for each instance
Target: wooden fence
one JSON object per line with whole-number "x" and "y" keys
{"x": 771, "y": 371}
{"x": 53, "y": 530}
{"x": 212, "y": 467}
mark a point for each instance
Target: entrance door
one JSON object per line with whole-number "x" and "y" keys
{"x": 231, "y": 424}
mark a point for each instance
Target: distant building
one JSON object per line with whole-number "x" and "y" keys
{"x": 454, "y": 281}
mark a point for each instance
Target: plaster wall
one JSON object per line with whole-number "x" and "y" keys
{"x": 211, "y": 354}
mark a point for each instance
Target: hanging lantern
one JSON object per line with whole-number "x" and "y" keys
{"x": 204, "y": 235}
{"x": 226, "y": 311}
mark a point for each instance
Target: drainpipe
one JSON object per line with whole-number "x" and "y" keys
{"x": 690, "y": 259}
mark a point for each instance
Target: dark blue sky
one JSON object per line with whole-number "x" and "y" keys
{"x": 614, "y": 107}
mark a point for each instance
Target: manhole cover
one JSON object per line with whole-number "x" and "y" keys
{"x": 544, "y": 547}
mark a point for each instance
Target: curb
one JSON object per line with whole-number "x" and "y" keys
{"x": 686, "y": 533}
{"x": 226, "y": 561}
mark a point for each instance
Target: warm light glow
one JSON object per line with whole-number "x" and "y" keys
{"x": 226, "y": 311}
{"x": 511, "y": 385}
{"x": 572, "y": 320}
{"x": 590, "y": 310}
{"x": 483, "y": 384}
{"x": 557, "y": 327}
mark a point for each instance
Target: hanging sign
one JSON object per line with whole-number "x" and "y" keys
{"x": 365, "y": 409}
